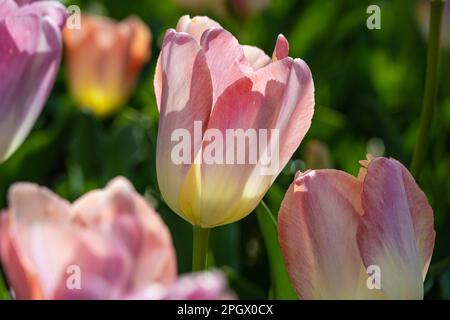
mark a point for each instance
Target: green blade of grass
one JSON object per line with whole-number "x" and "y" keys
{"x": 281, "y": 285}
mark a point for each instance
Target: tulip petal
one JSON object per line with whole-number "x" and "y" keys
{"x": 186, "y": 97}
{"x": 30, "y": 203}
{"x": 281, "y": 49}
{"x": 296, "y": 112}
{"x": 226, "y": 59}
{"x": 51, "y": 9}
{"x": 136, "y": 225}
{"x": 140, "y": 46}
{"x": 7, "y": 7}
{"x": 256, "y": 57}
{"x": 30, "y": 53}
{"x": 17, "y": 266}
{"x": 198, "y": 286}
{"x": 58, "y": 250}
{"x": 396, "y": 232}
{"x": 317, "y": 225}
{"x": 195, "y": 26}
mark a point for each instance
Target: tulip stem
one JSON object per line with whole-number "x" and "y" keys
{"x": 431, "y": 84}
{"x": 200, "y": 248}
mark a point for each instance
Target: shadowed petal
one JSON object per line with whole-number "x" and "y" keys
{"x": 226, "y": 59}
{"x": 186, "y": 97}
{"x": 30, "y": 53}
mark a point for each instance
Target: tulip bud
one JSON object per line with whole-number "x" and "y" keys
{"x": 30, "y": 53}
{"x": 104, "y": 60}
{"x": 336, "y": 231}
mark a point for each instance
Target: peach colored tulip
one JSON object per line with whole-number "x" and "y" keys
{"x": 104, "y": 60}
{"x": 30, "y": 54}
{"x": 205, "y": 76}
{"x": 335, "y": 229}
{"x": 116, "y": 242}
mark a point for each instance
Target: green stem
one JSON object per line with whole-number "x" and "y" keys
{"x": 200, "y": 248}
{"x": 431, "y": 84}
{"x": 4, "y": 295}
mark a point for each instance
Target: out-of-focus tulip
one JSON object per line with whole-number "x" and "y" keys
{"x": 243, "y": 8}
{"x": 334, "y": 229}
{"x": 109, "y": 244}
{"x": 317, "y": 155}
{"x": 205, "y": 76}
{"x": 247, "y": 8}
{"x": 196, "y": 286}
{"x": 423, "y": 16}
{"x": 104, "y": 60}
{"x": 217, "y": 7}
{"x": 30, "y": 54}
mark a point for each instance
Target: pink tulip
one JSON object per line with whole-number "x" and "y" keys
{"x": 204, "y": 75}
{"x": 340, "y": 234}
{"x": 30, "y": 53}
{"x": 110, "y": 244}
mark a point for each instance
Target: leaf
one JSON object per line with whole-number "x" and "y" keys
{"x": 4, "y": 295}
{"x": 282, "y": 288}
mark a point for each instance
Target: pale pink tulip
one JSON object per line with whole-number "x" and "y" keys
{"x": 30, "y": 53}
{"x": 109, "y": 244}
{"x": 334, "y": 229}
{"x": 203, "y": 74}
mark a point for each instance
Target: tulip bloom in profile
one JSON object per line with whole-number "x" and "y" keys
{"x": 104, "y": 60}
{"x": 208, "y": 86}
{"x": 30, "y": 54}
{"x": 109, "y": 244}
{"x": 334, "y": 229}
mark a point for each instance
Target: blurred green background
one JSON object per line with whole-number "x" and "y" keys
{"x": 369, "y": 87}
